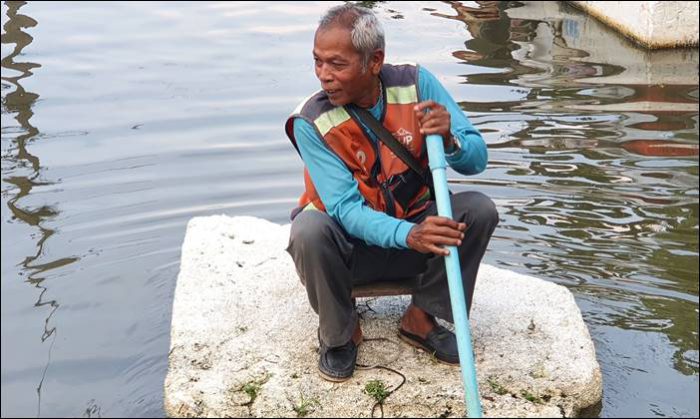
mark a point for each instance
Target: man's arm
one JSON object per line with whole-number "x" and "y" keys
{"x": 340, "y": 194}
{"x": 473, "y": 157}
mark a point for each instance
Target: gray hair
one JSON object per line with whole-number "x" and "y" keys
{"x": 366, "y": 32}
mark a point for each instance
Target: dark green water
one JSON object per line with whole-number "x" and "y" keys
{"x": 121, "y": 121}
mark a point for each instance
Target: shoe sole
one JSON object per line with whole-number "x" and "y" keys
{"x": 425, "y": 349}
{"x": 333, "y": 379}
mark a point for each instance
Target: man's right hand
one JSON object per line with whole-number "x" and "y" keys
{"x": 434, "y": 233}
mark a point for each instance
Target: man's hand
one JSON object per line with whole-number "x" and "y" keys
{"x": 435, "y": 232}
{"x": 435, "y": 121}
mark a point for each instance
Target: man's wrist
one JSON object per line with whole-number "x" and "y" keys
{"x": 403, "y": 232}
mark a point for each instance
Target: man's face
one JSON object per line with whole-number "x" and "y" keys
{"x": 339, "y": 67}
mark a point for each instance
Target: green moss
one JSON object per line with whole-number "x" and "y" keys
{"x": 530, "y": 397}
{"x": 305, "y": 406}
{"x": 377, "y": 389}
{"x": 252, "y": 389}
{"x": 496, "y": 387}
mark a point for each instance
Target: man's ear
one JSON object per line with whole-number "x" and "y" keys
{"x": 376, "y": 62}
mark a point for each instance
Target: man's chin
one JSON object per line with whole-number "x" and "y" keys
{"x": 338, "y": 101}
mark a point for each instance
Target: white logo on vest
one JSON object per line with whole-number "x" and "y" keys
{"x": 405, "y": 137}
{"x": 362, "y": 157}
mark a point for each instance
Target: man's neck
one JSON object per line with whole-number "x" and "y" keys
{"x": 372, "y": 98}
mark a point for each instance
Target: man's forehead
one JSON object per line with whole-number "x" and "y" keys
{"x": 333, "y": 40}
{"x": 333, "y": 54}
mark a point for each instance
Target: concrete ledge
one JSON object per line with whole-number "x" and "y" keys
{"x": 243, "y": 340}
{"x": 653, "y": 24}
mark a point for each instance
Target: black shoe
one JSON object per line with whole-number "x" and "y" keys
{"x": 440, "y": 342}
{"x": 337, "y": 364}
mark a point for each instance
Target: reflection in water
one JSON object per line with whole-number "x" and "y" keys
{"x": 20, "y": 102}
{"x": 586, "y": 126}
{"x": 660, "y": 148}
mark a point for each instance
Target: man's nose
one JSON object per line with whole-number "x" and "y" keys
{"x": 324, "y": 75}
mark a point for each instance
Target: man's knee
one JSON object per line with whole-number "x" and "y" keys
{"x": 478, "y": 208}
{"x": 310, "y": 228}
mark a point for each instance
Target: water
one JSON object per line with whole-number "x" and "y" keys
{"x": 120, "y": 122}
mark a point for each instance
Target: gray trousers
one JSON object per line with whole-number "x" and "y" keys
{"x": 329, "y": 262}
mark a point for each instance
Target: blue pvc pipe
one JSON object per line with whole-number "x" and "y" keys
{"x": 436, "y": 157}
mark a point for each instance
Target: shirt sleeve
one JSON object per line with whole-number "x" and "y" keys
{"x": 473, "y": 157}
{"x": 339, "y": 192}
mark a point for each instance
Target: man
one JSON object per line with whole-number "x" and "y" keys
{"x": 365, "y": 215}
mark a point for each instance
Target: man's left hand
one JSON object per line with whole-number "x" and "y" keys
{"x": 435, "y": 121}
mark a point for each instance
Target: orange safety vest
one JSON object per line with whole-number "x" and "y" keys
{"x": 378, "y": 171}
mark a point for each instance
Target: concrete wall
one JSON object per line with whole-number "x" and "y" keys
{"x": 653, "y": 24}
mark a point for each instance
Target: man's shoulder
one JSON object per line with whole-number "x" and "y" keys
{"x": 307, "y": 111}
{"x": 400, "y": 73}
{"x": 402, "y": 64}
{"x": 314, "y": 106}
{"x": 430, "y": 86}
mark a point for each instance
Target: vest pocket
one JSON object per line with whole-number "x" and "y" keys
{"x": 405, "y": 187}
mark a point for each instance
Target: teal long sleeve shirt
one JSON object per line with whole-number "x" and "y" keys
{"x": 339, "y": 191}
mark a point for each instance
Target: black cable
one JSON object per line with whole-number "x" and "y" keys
{"x": 369, "y": 367}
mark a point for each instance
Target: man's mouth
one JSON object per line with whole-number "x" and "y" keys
{"x": 332, "y": 92}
